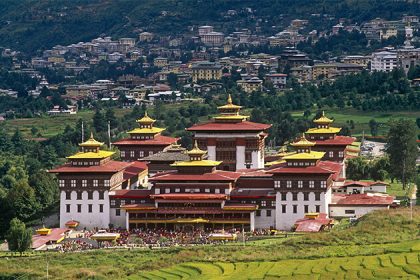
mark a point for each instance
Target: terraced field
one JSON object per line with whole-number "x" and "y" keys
{"x": 389, "y": 266}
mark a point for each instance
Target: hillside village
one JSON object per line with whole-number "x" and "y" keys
{"x": 153, "y": 67}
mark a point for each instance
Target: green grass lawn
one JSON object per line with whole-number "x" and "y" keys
{"x": 361, "y": 119}
{"x": 383, "y": 244}
{"x": 49, "y": 126}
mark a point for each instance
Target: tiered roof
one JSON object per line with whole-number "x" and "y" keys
{"x": 146, "y": 126}
{"x": 91, "y": 150}
{"x": 323, "y": 126}
{"x": 91, "y": 159}
{"x": 146, "y": 134}
{"x": 196, "y": 159}
{"x": 303, "y": 148}
{"x": 230, "y": 119}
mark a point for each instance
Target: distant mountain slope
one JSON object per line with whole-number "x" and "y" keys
{"x": 30, "y": 25}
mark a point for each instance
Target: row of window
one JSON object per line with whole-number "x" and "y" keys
{"x": 84, "y": 163}
{"x": 89, "y": 208}
{"x": 190, "y": 190}
{"x": 132, "y": 154}
{"x": 295, "y": 208}
{"x": 123, "y": 202}
{"x": 79, "y": 195}
{"x": 138, "y": 137}
{"x": 262, "y": 203}
{"x": 283, "y": 196}
{"x": 300, "y": 184}
{"x": 84, "y": 183}
{"x": 301, "y": 163}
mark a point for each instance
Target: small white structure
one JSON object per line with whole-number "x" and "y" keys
{"x": 357, "y": 205}
{"x": 359, "y": 187}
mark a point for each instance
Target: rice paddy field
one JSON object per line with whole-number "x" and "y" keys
{"x": 388, "y": 266}
{"x": 382, "y": 245}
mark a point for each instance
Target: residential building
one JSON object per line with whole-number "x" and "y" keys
{"x": 277, "y": 79}
{"x": 213, "y": 39}
{"x": 384, "y": 61}
{"x": 205, "y": 29}
{"x": 250, "y": 85}
{"x": 206, "y": 70}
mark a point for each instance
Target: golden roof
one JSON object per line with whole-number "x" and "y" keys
{"x": 92, "y": 155}
{"x": 146, "y": 119}
{"x": 229, "y": 104}
{"x": 323, "y": 130}
{"x": 91, "y": 142}
{"x": 303, "y": 142}
{"x": 230, "y": 117}
{"x": 271, "y": 163}
{"x": 311, "y": 155}
{"x": 196, "y": 150}
{"x": 152, "y": 130}
{"x": 204, "y": 163}
{"x": 323, "y": 119}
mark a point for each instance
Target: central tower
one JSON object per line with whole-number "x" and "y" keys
{"x": 232, "y": 139}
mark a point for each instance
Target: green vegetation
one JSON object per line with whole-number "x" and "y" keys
{"x": 361, "y": 120}
{"x": 19, "y": 238}
{"x": 402, "y": 150}
{"x": 381, "y": 242}
{"x": 49, "y": 23}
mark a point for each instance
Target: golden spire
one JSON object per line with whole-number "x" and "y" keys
{"x": 91, "y": 142}
{"x": 229, "y": 101}
{"x": 323, "y": 119}
{"x": 303, "y": 142}
{"x": 146, "y": 119}
{"x": 230, "y": 105}
{"x": 196, "y": 150}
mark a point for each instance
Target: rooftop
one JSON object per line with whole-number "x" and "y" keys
{"x": 368, "y": 199}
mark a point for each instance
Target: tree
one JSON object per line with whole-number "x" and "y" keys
{"x": 402, "y": 150}
{"x": 357, "y": 168}
{"x": 99, "y": 122}
{"x": 22, "y": 201}
{"x": 373, "y": 127}
{"x": 46, "y": 188}
{"x": 19, "y": 238}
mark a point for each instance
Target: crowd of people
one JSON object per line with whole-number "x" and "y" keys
{"x": 150, "y": 238}
{"x": 75, "y": 245}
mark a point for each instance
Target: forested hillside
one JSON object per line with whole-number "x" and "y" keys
{"x": 29, "y": 25}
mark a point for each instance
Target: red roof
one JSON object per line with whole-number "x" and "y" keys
{"x": 337, "y": 141}
{"x": 364, "y": 184}
{"x": 133, "y": 170}
{"x": 312, "y": 225}
{"x": 220, "y": 126}
{"x": 189, "y": 196}
{"x": 55, "y": 235}
{"x": 109, "y": 167}
{"x": 362, "y": 199}
{"x": 217, "y": 175}
{"x": 159, "y": 140}
{"x": 130, "y": 193}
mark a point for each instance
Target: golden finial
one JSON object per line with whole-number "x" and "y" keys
{"x": 91, "y": 135}
{"x": 229, "y": 101}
